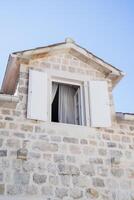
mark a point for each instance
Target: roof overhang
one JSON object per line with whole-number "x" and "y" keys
{"x": 16, "y": 58}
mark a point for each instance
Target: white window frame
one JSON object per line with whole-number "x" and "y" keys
{"x": 72, "y": 81}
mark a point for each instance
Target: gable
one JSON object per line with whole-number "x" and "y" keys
{"x": 64, "y": 61}
{"x": 79, "y": 55}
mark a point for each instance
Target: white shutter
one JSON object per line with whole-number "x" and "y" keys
{"x": 37, "y": 95}
{"x": 99, "y": 104}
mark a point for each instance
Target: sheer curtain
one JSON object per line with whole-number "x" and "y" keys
{"x": 54, "y": 90}
{"x": 66, "y": 112}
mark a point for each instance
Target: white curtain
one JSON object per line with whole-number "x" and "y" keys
{"x": 66, "y": 112}
{"x": 54, "y": 90}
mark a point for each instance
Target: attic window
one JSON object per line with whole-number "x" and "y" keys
{"x": 66, "y": 105}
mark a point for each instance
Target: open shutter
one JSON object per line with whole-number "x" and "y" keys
{"x": 37, "y": 95}
{"x": 99, "y": 104}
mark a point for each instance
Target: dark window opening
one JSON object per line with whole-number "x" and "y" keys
{"x": 55, "y": 107}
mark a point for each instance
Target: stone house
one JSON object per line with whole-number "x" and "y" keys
{"x": 60, "y": 137}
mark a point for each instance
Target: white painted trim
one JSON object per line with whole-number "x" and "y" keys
{"x": 73, "y": 80}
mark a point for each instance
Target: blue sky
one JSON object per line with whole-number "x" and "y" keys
{"x": 104, "y": 27}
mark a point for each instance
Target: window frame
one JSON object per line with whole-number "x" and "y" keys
{"x": 64, "y": 80}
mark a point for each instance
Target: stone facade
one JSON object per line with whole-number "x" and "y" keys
{"x": 53, "y": 161}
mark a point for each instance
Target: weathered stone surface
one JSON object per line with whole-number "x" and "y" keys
{"x": 33, "y": 155}
{"x": 89, "y": 150}
{"x": 92, "y": 193}
{"x": 54, "y": 180}
{"x": 65, "y": 180}
{"x": 102, "y": 171}
{"x": 43, "y": 146}
{"x": 98, "y": 182}
{"x": 32, "y": 190}
{"x": 117, "y": 172}
{"x": 111, "y": 144}
{"x": 39, "y": 129}
{"x": 19, "y": 135}
{"x": 76, "y": 193}
{"x": 81, "y": 181}
{"x": 22, "y": 154}
{"x": 4, "y": 133}
{"x": 130, "y": 173}
{"x": 59, "y": 158}
{"x": 13, "y": 143}
{"x": 2, "y": 124}
{"x": 126, "y": 139}
{"x": 70, "y": 140}
{"x": 102, "y": 152}
{"x": 27, "y": 128}
{"x": 9, "y": 118}
{"x": 15, "y": 189}
{"x": 2, "y": 189}
{"x": 5, "y": 112}
{"x": 47, "y": 157}
{"x": 83, "y": 141}
{"x": 96, "y": 160}
{"x": 71, "y": 159}
{"x": 44, "y": 137}
{"x": 112, "y": 184}
{"x": 55, "y": 138}
{"x": 23, "y": 75}
{"x": 39, "y": 178}
{"x": 106, "y": 136}
{"x": 41, "y": 167}
{"x": 87, "y": 170}
{"x": 52, "y": 168}
{"x": 68, "y": 170}
{"x": 75, "y": 149}
{"x": 61, "y": 192}
{"x": 17, "y": 164}
{"x": 28, "y": 166}
{"x": 3, "y": 153}
{"x": 21, "y": 178}
{"x": 1, "y": 177}
{"x": 47, "y": 190}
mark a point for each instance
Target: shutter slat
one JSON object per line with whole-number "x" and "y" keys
{"x": 99, "y": 104}
{"x": 37, "y": 95}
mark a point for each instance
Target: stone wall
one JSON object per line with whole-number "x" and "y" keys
{"x": 43, "y": 160}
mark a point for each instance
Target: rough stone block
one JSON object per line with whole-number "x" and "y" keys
{"x": 76, "y": 193}
{"x": 39, "y": 178}
{"x": 32, "y": 190}
{"x": 27, "y": 128}
{"x": 47, "y": 190}
{"x": 61, "y": 192}
{"x": 68, "y": 169}
{"x": 54, "y": 180}
{"x": 3, "y": 153}
{"x": 87, "y": 169}
{"x": 74, "y": 149}
{"x": 92, "y": 193}
{"x": 98, "y": 182}
{"x": 81, "y": 181}
{"x": 2, "y": 189}
{"x": 117, "y": 172}
{"x": 70, "y": 140}
{"x": 21, "y": 178}
{"x": 43, "y": 146}
{"x": 59, "y": 158}
{"x": 2, "y": 124}
{"x": 15, "y": 189}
